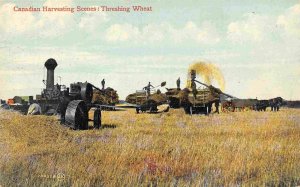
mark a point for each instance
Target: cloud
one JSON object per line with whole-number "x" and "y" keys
{"x": 34, "y": 57}
{"x": 258, "y": 28}
{"x": 45, "y": 24}
{"x": 253, "y": 28}
{"x": 122, "y": 32}
{"x": 290, "y": 21}
{"x": 15, "y": 22}
{"x": 91, "y": 20}
{"x": 206, "y": 34}
{"x": 154, "y": 32}
{"x": 55, "y": 23}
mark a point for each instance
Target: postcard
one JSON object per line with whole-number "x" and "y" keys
{"x": 149, "y": 93}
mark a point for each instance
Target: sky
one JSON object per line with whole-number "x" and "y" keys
{"x": 256, "y": 45}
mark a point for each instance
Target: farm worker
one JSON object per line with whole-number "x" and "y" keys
{"x": 178, "y": 83}
{"x": 148, "y": 88}
{"x": 103, "y": 84}
{"x": 194, "y": 88}
{"x": 217, "y": 103}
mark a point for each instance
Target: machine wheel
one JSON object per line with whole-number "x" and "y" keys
{"x": 207, "y": 110}
{"x": 86, "y": 92}
{"x": 228, "y": 107}
{"x": 77, "y": 115}
{"x": 97, "y": 118}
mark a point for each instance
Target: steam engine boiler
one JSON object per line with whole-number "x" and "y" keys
{"x": 71, "y": 104}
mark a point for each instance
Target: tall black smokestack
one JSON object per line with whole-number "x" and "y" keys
{"x": 50, "y": 64}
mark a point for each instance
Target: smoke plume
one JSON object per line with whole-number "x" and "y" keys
{"x": 208, "y": 72}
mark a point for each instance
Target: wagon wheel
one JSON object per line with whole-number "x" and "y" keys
{"x": 97, "y": 118}
{"x": 137, "y": 109}
{"x": 207, "y": 109}
{"x": 77, "y": 115}
{"x": 228, "y": 107}
{"x": 191, "y": 110}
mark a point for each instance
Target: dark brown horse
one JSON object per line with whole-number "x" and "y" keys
{"x": 275, "y": 103}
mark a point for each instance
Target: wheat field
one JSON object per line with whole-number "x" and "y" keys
{"x": 168, "y": 149}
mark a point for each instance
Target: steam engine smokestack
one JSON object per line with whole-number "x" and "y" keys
{"x": 50, "y": 64}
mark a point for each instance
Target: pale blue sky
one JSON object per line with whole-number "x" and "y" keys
{"x": 256, "y": 44}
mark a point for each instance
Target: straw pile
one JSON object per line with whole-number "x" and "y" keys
{"x": 132, "y": 98}
{"x": 159, "y": 98}
{"x": 210, "y": 94}
{"x": 108, "y": 96}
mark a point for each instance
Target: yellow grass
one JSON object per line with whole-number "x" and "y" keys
{"x": 168, "y": 149}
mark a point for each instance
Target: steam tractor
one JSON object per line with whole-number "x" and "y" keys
{"x": 72, "y": 104}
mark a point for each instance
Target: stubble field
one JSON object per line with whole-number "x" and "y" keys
{"x": 167, "y": 149}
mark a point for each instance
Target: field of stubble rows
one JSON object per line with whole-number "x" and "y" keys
{"x": 167, "y": 149}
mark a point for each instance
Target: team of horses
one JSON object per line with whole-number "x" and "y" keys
{"x": 274, "y": 103}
